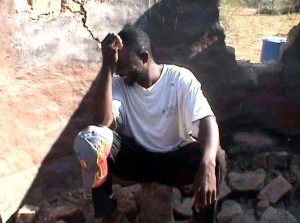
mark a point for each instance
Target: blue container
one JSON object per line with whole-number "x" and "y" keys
{"x": 271, "y": 48}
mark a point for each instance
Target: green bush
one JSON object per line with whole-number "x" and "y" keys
{"x": 267, "y": 10}
{"x": 232, "y": 2}
{"x": 287, "y": 10}
{"x": 253, "y": 3}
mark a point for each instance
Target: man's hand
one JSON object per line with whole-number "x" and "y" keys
{"x": 205, "y": 192}
{"x": 110, "y": 46}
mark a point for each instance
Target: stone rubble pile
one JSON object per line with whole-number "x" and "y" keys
{"x": 51, "y": 72}
{"x": 265, "y": 189}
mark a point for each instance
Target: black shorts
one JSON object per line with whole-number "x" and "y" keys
{"x": 130, "y": 161}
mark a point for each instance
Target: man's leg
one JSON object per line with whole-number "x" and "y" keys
{"x": 101, "y": 153}
{"x": 126, "y": 160}
{"x": 208, "y": 214}
{"x": 179, "y": 168}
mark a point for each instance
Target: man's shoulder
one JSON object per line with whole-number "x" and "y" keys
{"x": 179, "y": 73}
{"x": 117, "y": 83}
{"x": 117, "y": 79}
{"x": 174, "y": 67}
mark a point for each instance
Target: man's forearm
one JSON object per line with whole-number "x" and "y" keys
{"x": 101, "y": 102}
{"x": 209, "y": 139}
{"x": 205, "y": 183}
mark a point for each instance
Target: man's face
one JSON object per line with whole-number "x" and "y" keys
{"x": 130, "y": 67}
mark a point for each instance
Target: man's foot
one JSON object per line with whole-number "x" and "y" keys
{"x": 115, "y": 217}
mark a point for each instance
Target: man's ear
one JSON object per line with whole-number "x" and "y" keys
{"x": 144, "y": 56}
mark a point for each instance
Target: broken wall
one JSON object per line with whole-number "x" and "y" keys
{"x": 50, "y": 56}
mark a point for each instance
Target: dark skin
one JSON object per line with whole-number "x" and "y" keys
{"x": 143, "y": 70}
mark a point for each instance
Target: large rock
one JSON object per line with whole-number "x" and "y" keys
{"x": 176, "y": 196}
{"x": 252, "y": 142}
{"x": 71, "y": 214}
{"x": 184, "y": 209}
{"x": 27, "y": 214}
{"x": 293, "y": 206}
{"x": 261, "y": 206}
{"x": 244, "y": 218}
{"x": 128, "y": 207}
{"x": 295, "y": 167}
{"x": 275, "y": 190}
{"x": 291, "y": 61}
{"x": 128, "y": 192}
{"x": 229, "y": 210}
{"x": 263, "y": 102}
{"x": 156, "y": 204}
{"x": 272, "y": 215}
{"x": 224, "y": 191}
{"x": 278, "y": 160}
{"x": 272, "y": 160}
{"x": 247, "y": 182}
{"x": 126, "y": 200}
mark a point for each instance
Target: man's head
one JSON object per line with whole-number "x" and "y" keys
{"x": 134, "y": 56}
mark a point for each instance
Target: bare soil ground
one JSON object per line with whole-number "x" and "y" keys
{"x": 245, "y": 29}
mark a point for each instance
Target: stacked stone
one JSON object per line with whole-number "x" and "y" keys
{"x": 188, "y": 33}
{"x": 263, "y": 181}
{"x": 291, "y": 61}
{"x": 261, "y": 187}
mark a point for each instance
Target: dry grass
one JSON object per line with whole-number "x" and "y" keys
{"x": 245, "y": 29}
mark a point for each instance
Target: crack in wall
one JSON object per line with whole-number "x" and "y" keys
{"x": 84, "y": 20}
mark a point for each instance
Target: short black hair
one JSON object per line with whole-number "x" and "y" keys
{"x": 136, "y": 39}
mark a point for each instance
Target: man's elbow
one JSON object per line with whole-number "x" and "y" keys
{"x": 104, "y": 121}
{"x": 209, "y": 128}
{"x": 210, "y": 122}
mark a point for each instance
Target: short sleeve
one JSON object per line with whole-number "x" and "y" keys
{"x": 194, "y": 104}
{"x": 117, "y": 100}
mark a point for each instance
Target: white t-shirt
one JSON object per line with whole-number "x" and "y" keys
{"x": 160, "y": 118}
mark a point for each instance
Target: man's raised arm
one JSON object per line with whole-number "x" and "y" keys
{"x": 101, "y": 101}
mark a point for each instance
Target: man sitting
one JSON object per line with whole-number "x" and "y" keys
{"x": 152, "y": 123}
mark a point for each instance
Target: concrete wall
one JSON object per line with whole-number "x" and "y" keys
{"x": 49, "y": 57}
{"x": 48, "y": 61}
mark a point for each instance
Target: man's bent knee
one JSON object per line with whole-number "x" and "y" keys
{"x": 221, "y": 159}
{"x": 221, "y": 167}
{"x": 92, "y": 146}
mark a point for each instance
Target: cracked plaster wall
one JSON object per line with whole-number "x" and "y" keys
{"x": 72, "y": 31}
{"x": 48, "y": 61}
{"x": 49, "y": 57}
